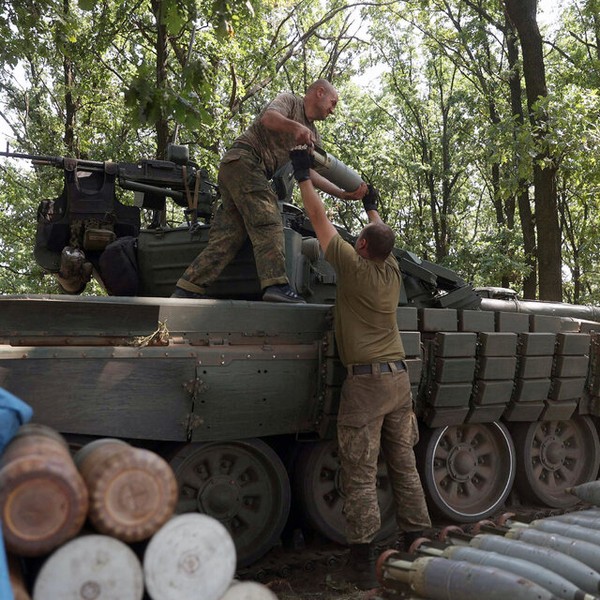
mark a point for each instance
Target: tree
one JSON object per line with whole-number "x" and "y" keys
{"x": 574, "y": 68}
{"x": 522, "y": 14}
{"x": 443, "y": 132}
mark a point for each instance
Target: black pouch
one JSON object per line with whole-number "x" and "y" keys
{"x": 119, "y": 267}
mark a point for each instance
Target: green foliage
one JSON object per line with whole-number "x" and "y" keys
{"x": 19, "y": 196}
{"x": 425, "y": 112}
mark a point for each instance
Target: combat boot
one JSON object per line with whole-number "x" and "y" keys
{"x": 282, "y": 293}
{"x": 358, "y": 572}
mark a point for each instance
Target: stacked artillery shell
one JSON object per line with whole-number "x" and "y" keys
{"x": 559, "y": 557}
{"x": 586, "y": 519}
{"x": 442, "y": 579}
{"x": 132, "y": 491}
{"x": 580, "y": 550}
{"x": 547, "y": 578}
{"x": 129, "y": 495}
{"x": 91, "y": 566}
{"x": 191, "y": 552}
{"x": 43, "y": 499}
{"x": 588, "y": 492}
{"x": 572, "y": 569}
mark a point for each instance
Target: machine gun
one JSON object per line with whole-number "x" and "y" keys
{"x": 177, "y": 177}
{"x": 74, "y": 229}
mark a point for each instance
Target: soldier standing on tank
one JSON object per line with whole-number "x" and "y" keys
{"x": 376, "y": 408}
{"x": 249, "y": 205}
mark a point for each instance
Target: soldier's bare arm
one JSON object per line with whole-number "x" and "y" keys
{"x": 275, "y": 121}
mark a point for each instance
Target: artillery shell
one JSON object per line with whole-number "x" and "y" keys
{"x": 442, "y": 579}
{"x": 588, "y": 492}
{"x": 581, "y": 550}
{"x": 191, "y": 552}
{"x": 558, "y": 585}
{"x": 43, "y": 499}
{"x": 91, "y": 566}
{"x": 132, "y": 491}
{"x": 574, "y": 570}
{"x": 248, "y": 590}
{"x": 568, "y": 530}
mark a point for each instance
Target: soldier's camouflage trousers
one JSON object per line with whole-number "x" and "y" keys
{"x": 249, "y": 209}
{"x": 376, "y": 413}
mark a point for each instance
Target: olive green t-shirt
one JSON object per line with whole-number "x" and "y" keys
{"x": 367, "y": 294}
{"x": 274, "y": 147}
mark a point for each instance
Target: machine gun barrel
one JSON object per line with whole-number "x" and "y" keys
{"x": 56, "y": 161}
{"x": 136, "y": 186}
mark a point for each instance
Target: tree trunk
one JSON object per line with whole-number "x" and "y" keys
{"x": 522, "y": 14}
{"x": 162, "y": 126}
{"x": 70, "y": 107}
{"x": 525, "y": 214}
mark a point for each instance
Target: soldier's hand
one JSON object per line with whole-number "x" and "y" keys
{"x": 358, "y": 193}
{"x": 304, "y": 136}
{"x": 371, "y": 199}
{"x": 302, "y": 162}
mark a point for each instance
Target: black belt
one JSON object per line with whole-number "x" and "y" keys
{"x": 383, "y": 368}
{"x": 249, "y": 148}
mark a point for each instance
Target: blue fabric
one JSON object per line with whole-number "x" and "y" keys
{"x": 13, "y": 413}
{"x": 5, "y": 587}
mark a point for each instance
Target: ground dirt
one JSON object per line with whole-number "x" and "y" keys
{"x": 301, "y": 573}
{"x": 312, "y": 587}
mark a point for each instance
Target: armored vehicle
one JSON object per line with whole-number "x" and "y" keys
{"x": 241, "y": 395}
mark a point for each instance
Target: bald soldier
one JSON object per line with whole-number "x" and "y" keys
{"x": 249, "y": 205}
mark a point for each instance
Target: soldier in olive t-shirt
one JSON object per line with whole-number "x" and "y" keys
{"x": 367, "y": 295}
{"x": 375, "y": 409}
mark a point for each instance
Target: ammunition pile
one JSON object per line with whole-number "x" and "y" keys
{"x": 550, "y": 558}
{"x": 101, "y": 525}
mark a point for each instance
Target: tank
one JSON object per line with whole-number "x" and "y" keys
{"x": 240, "y": 396}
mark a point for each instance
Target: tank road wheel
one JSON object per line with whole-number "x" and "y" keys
{"x": 241, "y": 483}
{"x": 318, "y": 487}
{"x": 467, "y": 470}
{"x": 554, "y": 455}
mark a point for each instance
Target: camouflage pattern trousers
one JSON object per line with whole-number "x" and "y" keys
{"x": 376, "y": 414}
{"x": 249, "y": 209}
